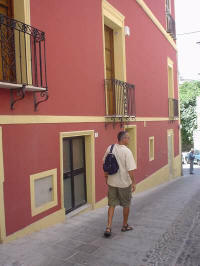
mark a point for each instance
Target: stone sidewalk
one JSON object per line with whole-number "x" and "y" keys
{"x": 166, "y": 232}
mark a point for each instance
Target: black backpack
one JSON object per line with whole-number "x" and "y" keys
{"x": 110, "y": 165}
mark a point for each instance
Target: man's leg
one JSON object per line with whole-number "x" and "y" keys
{"x": 111, "y": 211}
{"x": 191, "y": 167}
{"x": 125, "y": 214}
{"x": 125, "y": 201}
{"x": 112, "y": 202}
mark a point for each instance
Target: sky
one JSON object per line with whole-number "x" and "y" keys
{"x": 188, "y": 20}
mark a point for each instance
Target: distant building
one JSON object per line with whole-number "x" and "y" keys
{"x": 196, "y": 133}
{"x": 186, "y": 79}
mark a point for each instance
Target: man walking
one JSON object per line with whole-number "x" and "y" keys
{"x": 191, "y": 160}
{"x": 121, "y": 184}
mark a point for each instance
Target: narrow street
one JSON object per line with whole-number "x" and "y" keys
{"x": 166, "y": 232}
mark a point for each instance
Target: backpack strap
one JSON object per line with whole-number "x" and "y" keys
{"x": 111, "y": 148}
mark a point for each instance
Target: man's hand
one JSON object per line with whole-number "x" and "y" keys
{"x": 133, "y": 187}
{"x": 133, "y": 180}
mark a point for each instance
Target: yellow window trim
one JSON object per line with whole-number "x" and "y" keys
{"x": 132, "y": 130}
{"x": 90, "y": 162}
{"x": 36, "y": 210}
{"x": 113, "y": 14}
{"x": 151, "y": 152}
{"x": 2, "y": 211}
{"x": 115, "y": 20}
{"x": 22, "y": 11}
{"x": 170, "y": 62}
{"x": 170, "y": 132}
{"x": 156, "y": 22}
{"x": 170, "y": 73}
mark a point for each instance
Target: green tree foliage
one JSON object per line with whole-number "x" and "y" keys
{"x": 188, "y": 94}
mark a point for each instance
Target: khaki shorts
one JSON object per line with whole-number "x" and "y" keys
{"x": 119, "y": 196}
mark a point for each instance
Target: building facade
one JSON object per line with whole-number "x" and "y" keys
{"x": 97, "y": 67}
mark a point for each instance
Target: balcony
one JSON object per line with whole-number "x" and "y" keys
{"x": 173, "y": 109}
{"x": 120, "y": 99}
{"x": 171, "y": 25}
{"x": 22, "y": 61}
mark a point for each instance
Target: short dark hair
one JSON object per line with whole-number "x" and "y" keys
{"x": 120, "y": 135}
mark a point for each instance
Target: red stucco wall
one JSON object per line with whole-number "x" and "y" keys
{"x": 29, "y": 149}
{"x": 75, "y": 71}
{"x": 75, "y": 64}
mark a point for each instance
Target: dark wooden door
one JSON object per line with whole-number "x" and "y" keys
{"x": 6, "y": 8}
{"x": 74, "y": 173}
{"x": 7, "y": 45}
{"x": 110, "y": 70}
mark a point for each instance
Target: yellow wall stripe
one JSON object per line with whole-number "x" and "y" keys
{"x": 42, "y": 119}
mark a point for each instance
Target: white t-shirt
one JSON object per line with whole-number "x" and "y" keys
{"x": 126, "y": 163}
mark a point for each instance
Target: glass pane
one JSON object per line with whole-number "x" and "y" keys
{"x": 67, "y": 193}
{"x": 78, "y": 153}
{"x": 79, "y": 189}
{"x": 66, "y": 156}
{"x": 43, "y": 190}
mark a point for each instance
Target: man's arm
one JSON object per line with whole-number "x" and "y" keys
{"x": 106, "y": 177}
{"x": 106, "y": 153}
{"x": 133, "y": 180}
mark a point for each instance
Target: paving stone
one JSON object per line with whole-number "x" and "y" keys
{"x": 68, "y": 263}
{"x": 85, "y": 238}
{"x": 57, "y": 251}
{"x": 69, "y": 243}
{"x": 90, "y": 260}
{"x": 87, "y": 248}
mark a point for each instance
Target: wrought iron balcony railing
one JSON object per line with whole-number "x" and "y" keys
{"x": 22, "y": 60}
{"x": 120, "y": 99}
{"x": 173, "y": 108}
{"x": 171, "y": 25}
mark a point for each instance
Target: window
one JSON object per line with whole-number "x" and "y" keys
{"x": 114, "y": 42}
{"x": 110, "y": 70}
{"x": 119, "y": 103}
{"x": 22, "y": 53}
{"x": 43, "y": 188}
{"x": 170, "y": 21}
{"x": 170, "y": 81}
{"x": 172, "y": 103}
{"x": 6, "y": 9}
{"x": 132, "y": 130}
{"x": 168, "y": 6}
{"x": 151, "y": 148}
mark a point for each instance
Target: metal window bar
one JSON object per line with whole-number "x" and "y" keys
{"x": 22, "y": 53}
{"x": 171, "y": 25}
{"x": 120, "y": 98}
{"x": 176, "y": 109}
{"x": 173, "y": 108}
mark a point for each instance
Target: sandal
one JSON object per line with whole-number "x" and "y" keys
{"x": 107, "y": 233}
{"x": 126, "y": 228}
